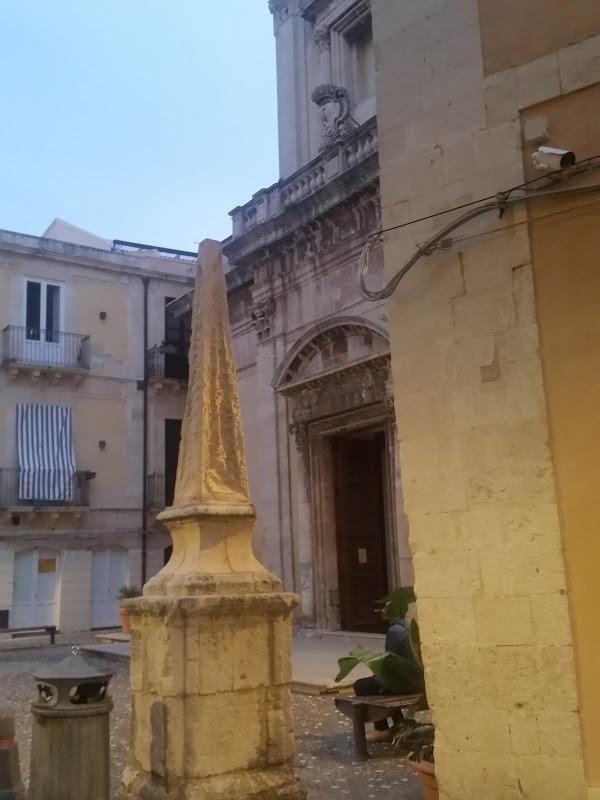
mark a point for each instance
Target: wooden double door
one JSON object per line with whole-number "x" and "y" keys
{"x": 359, "y": 490}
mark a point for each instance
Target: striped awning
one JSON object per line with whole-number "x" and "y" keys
{"x": 46, "y": 454}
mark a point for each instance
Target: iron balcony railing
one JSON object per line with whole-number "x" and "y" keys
{"x": 155, "y": 490}
{"x": 16, "y": 490}
{"x": 167, "y": 361}
{"x": 44, "y": 347}
{"x": 160, "y": 490}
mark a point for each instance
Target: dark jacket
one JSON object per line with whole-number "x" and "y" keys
{"x": 397, "y": 640}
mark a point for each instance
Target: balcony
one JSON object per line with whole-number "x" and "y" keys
{"x": 16, "y": 496}
{"x": 160, "y": 490}
{"x": 167, "y": 367}
{"x": 44, "y": 352}
{"x": 293, "y": 201}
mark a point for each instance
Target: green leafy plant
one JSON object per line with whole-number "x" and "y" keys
{"x": 399, "y": 675}
{"x": 129, "y": 592}
{"x": 416, "y": 737}
{"x": 395, "y": 672}
{"x": 396, "y": 605}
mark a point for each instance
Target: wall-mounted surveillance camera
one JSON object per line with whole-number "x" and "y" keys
{"x": 552, "y": 158}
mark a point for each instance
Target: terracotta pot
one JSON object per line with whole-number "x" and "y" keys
{"x": 124, "y": 619}
{"x": 426, "y": 773}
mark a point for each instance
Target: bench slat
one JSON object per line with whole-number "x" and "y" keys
{"x": 379, "y": 700}
{"x": 373, "y": 708}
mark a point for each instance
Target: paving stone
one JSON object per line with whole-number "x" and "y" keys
{"x": 325, "y": 760}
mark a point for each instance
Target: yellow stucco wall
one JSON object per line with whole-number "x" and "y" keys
{"x": 92, "y": 297}
{"x": 514, "y": 32}
{"x": 96, "y": 420}
{"x": 566, "y": 253}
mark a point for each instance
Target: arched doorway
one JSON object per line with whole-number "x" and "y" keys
{"x": 337, "y": 381}
{"x": 34, "y": 588}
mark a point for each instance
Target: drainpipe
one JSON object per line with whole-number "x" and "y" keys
{"x": 145, "y": 281}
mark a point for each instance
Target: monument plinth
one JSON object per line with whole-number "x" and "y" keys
{"x": 211, "y": 636}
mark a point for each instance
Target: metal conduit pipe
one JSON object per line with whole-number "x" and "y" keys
{"x": 501, "y": 202}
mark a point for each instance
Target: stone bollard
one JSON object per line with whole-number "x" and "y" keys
{"x": 69, "y": 747}
{"x": 11, "y": 787}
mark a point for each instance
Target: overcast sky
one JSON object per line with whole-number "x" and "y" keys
{"x": 145, "y": 120}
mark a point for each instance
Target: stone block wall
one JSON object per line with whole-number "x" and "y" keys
{"x": 475, "y": 457}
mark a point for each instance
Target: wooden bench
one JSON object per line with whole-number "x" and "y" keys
{"x": 38, "y": 629}
{"x": 371, "y": 708}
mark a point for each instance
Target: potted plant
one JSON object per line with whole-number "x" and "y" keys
{"x": 126, "y": 593}
{"x": 418, "y": 739}
{"x": 395, "y": 672}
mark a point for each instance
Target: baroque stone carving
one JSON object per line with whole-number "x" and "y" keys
{"x": 322, "y": 37}
{"x": 335, "y": 108}
{"x": 319, "y": 235}
{"x": 300, "y": 433}
{"x": 262, "y": 318}
{"x": 279, "y": 9}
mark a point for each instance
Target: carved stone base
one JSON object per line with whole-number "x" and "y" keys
{"x": 212, "y": 717}
{"x": 276, "y": 784}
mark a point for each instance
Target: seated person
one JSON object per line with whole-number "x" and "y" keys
{"x": 397, "y": 640}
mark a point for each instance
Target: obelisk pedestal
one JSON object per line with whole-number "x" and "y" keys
{"x": 211, "y": 636}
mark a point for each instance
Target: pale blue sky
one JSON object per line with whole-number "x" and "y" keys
{"x": 146, "y": 120}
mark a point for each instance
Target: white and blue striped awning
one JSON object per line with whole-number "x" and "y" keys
{"x": 46, "y": 454}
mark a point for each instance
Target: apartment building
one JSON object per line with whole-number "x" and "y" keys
{"x": 92, "y": 383}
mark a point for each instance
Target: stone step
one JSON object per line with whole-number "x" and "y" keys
{"x": 108, "y": 637}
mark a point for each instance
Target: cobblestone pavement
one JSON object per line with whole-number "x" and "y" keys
{"x": 323, "y": 736}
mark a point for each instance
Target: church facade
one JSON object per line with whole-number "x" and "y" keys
{"x": 313, "y": 357}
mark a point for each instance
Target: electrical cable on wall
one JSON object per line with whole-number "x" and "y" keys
{"x": 442, "y": 240}
{"x": 502, "y": 228}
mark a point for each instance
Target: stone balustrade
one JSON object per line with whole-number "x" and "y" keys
{"x": 337, "y": 159}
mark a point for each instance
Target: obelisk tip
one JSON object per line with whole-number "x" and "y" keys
{"x": 210, "y": 254}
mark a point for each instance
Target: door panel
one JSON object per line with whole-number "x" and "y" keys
{"x": 109, "y": 573}
{"x": 22, "y": 608}
{"x": 34, "y": 592}
{"x": 47, "y": 564}
{"x": 360, "y": 528}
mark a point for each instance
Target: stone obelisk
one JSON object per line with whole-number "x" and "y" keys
{"x": 210, "y": 642}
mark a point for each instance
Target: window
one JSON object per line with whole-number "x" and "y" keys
{"x": 364, "y": 64}
{"x": 42, "y": 311}
{"x": 46, "y": 453}
{"x": 178, "y": 332}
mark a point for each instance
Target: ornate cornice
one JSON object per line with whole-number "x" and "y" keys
{"x": 311, "y": 199}
{"x": 280, "y": 10}
{"x": 290, "y": 247}
{"x": 339, "y": 375}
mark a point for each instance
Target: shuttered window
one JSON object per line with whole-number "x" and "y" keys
{"x": 45, "y": 451}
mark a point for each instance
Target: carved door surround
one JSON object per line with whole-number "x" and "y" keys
{"x": 339, "y": 396}
{"x": 322, "y": 504}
